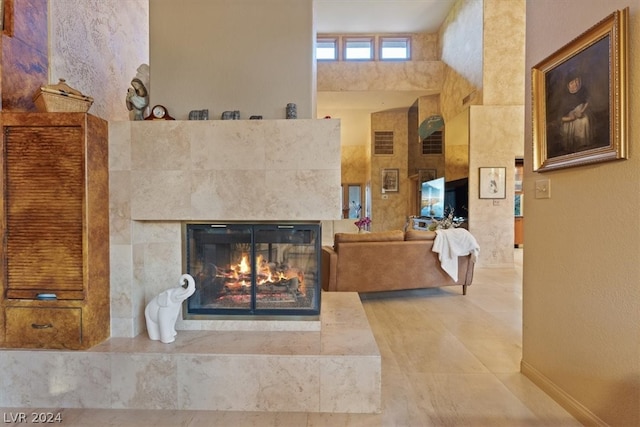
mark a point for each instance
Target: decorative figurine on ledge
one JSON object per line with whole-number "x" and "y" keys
{"x": 137, "y": 99}
{"x": 199, "y": 115}
{"x": 230, "y": 115}
{"x": 292, "y": 111}
{"x": 162, "y": 311}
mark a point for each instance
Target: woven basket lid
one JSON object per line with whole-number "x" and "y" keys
{"x": 62, "y": 88}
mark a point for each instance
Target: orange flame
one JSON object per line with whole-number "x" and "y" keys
{"x": 265, "y": 274}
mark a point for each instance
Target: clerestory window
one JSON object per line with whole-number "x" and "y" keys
{"x": 363, "y": 48}
{"x": 327, "y": 49}
{"x": 395, "y": 48}
{"x": 359, "y": 49}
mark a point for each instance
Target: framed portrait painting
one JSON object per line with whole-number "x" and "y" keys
{"x": 580, "y": 98}
{"x": 493, "y": 183}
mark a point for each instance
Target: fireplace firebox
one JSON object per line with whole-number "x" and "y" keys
{"x": 253, "y": 269}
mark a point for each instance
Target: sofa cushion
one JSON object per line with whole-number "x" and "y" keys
{"x": 419, "y": 235}
{"x": 382, "y": 236}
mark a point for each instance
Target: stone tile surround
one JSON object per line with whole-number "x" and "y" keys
{"x": 165, "y": 172}
{"x": 331, "y": 364}
{"x": 334, "y": 369}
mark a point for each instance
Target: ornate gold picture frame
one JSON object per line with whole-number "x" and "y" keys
{"x": 580, "y": 98}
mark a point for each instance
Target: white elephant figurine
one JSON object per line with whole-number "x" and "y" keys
{"x": 162, "y": 311}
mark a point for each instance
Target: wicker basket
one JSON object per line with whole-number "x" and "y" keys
{"x": 60, "y": 98}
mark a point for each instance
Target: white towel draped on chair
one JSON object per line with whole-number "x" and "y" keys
{"x": 452, "y": 243}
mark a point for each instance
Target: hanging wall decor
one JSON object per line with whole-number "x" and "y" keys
{"x": 580, "y": 98}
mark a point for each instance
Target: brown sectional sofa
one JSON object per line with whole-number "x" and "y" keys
{"x": 387, "y": 261}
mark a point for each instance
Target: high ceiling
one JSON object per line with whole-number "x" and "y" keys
{"x": 376, "y": 16}
{"x": 380, "y": 16}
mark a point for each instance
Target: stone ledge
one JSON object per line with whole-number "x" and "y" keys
{"x": 336, "y": 369}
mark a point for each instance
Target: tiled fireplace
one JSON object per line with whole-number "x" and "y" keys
{"x": 165, "y": 174}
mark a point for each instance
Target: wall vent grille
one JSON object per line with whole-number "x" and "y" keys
{"x": 383, "y": 142}
{"x": 432, "y": 144}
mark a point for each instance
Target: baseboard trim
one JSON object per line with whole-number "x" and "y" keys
{"x": 575, "y": 408}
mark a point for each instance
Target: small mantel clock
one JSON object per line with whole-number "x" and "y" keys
{"x": 159, "y": 112}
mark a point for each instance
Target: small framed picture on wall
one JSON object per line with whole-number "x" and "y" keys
{"x": 425, "y": 175}
{"x": 493, "y": 183}
{"x": 390, "y": 180}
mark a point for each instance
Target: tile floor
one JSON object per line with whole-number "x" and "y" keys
{"x": 447, "y": 360}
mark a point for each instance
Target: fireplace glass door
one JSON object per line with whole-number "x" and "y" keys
{"x": 253, "y": 269}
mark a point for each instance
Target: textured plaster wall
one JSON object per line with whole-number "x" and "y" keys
{"x": 97, "y": 46}
{"x": 24, "y": 63}
{"x": 390, "y": 213}
{"x": 460, "y": 41}
{"x": 491, "y": 221}
{"x": 455, "y": 90}
{"x": 503, "y": 63}
{"x": 354, "y": 125}
{"x": 353, "y": 165}
{"x": 427, "y": 107}
{"x": 461, "y": 49}
{"x": 355, "y": 137}
{"x": 581, "y": 300}
{"x": 494, "y": 129}
{"x": 424, "y": 47}
{"x": 380, "y": 76}
{"x": 457, "y": 148}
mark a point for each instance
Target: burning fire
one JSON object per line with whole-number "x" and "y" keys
{"x": 267, "y": 273}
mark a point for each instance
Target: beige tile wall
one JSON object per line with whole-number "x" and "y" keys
{"x": 163, "y": 173}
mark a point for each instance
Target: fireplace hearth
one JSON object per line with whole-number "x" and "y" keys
{"x": 253, "y": 269}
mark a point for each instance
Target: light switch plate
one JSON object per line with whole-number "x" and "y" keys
{"x": 543, "y": 189}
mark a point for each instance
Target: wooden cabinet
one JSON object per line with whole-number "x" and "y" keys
{"x": 54, "y": 222}
{"x": 518, "y": 232}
